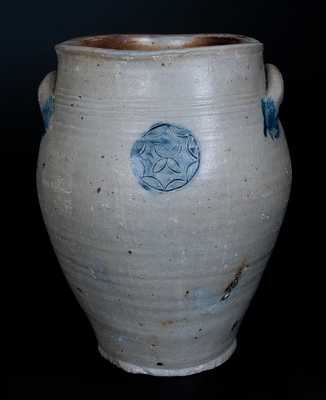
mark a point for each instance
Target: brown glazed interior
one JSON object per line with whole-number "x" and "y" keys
{"x": 157, "y": 42}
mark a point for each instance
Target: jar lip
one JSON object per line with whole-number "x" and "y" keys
{"x": 144, "y": 45}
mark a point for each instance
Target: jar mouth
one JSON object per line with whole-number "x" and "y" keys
{"x": 156, "y": 43}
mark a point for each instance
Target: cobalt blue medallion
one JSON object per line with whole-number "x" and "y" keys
{"x": 166, "y": 157}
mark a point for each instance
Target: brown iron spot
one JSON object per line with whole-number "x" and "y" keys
{"x": 167, "y": 322}
{"x": 227, "y": 292}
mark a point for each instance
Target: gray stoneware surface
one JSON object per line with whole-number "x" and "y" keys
{"x": 163, "y": 179}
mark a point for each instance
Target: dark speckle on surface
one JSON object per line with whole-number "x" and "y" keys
{"x": 43, "y": 165}
{"x": 129, "y": 252}
{"x": 234, "y": 325}
{"x": 81, "y": 117}
{"x": 102, "y": 156}
{"x": 98, "y": 190}
{"x": 159, "y": 364}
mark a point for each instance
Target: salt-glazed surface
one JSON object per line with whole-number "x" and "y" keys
{"x": 163, "y": 179}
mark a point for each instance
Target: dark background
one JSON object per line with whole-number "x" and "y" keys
{"x": 51, "y": 348}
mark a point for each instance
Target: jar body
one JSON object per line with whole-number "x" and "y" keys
{"x": 164, "y": 276}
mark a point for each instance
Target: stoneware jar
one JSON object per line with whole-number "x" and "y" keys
{"x": 163, "y": 179}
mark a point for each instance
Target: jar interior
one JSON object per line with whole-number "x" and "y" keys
{"x": 158, "y": 42}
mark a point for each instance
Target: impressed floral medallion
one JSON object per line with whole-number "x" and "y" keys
{"x": 166, "y": 157}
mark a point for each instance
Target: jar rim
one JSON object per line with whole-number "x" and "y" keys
{"x": 139, "y": 45}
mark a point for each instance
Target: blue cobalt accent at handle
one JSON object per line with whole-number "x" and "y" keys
{"x": 270, "y": 113}
{"x": 166, "y": 158}
{"x": 47, "y": 111}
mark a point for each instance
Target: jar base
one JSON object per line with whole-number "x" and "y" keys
{"x": 136, "y": 369}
